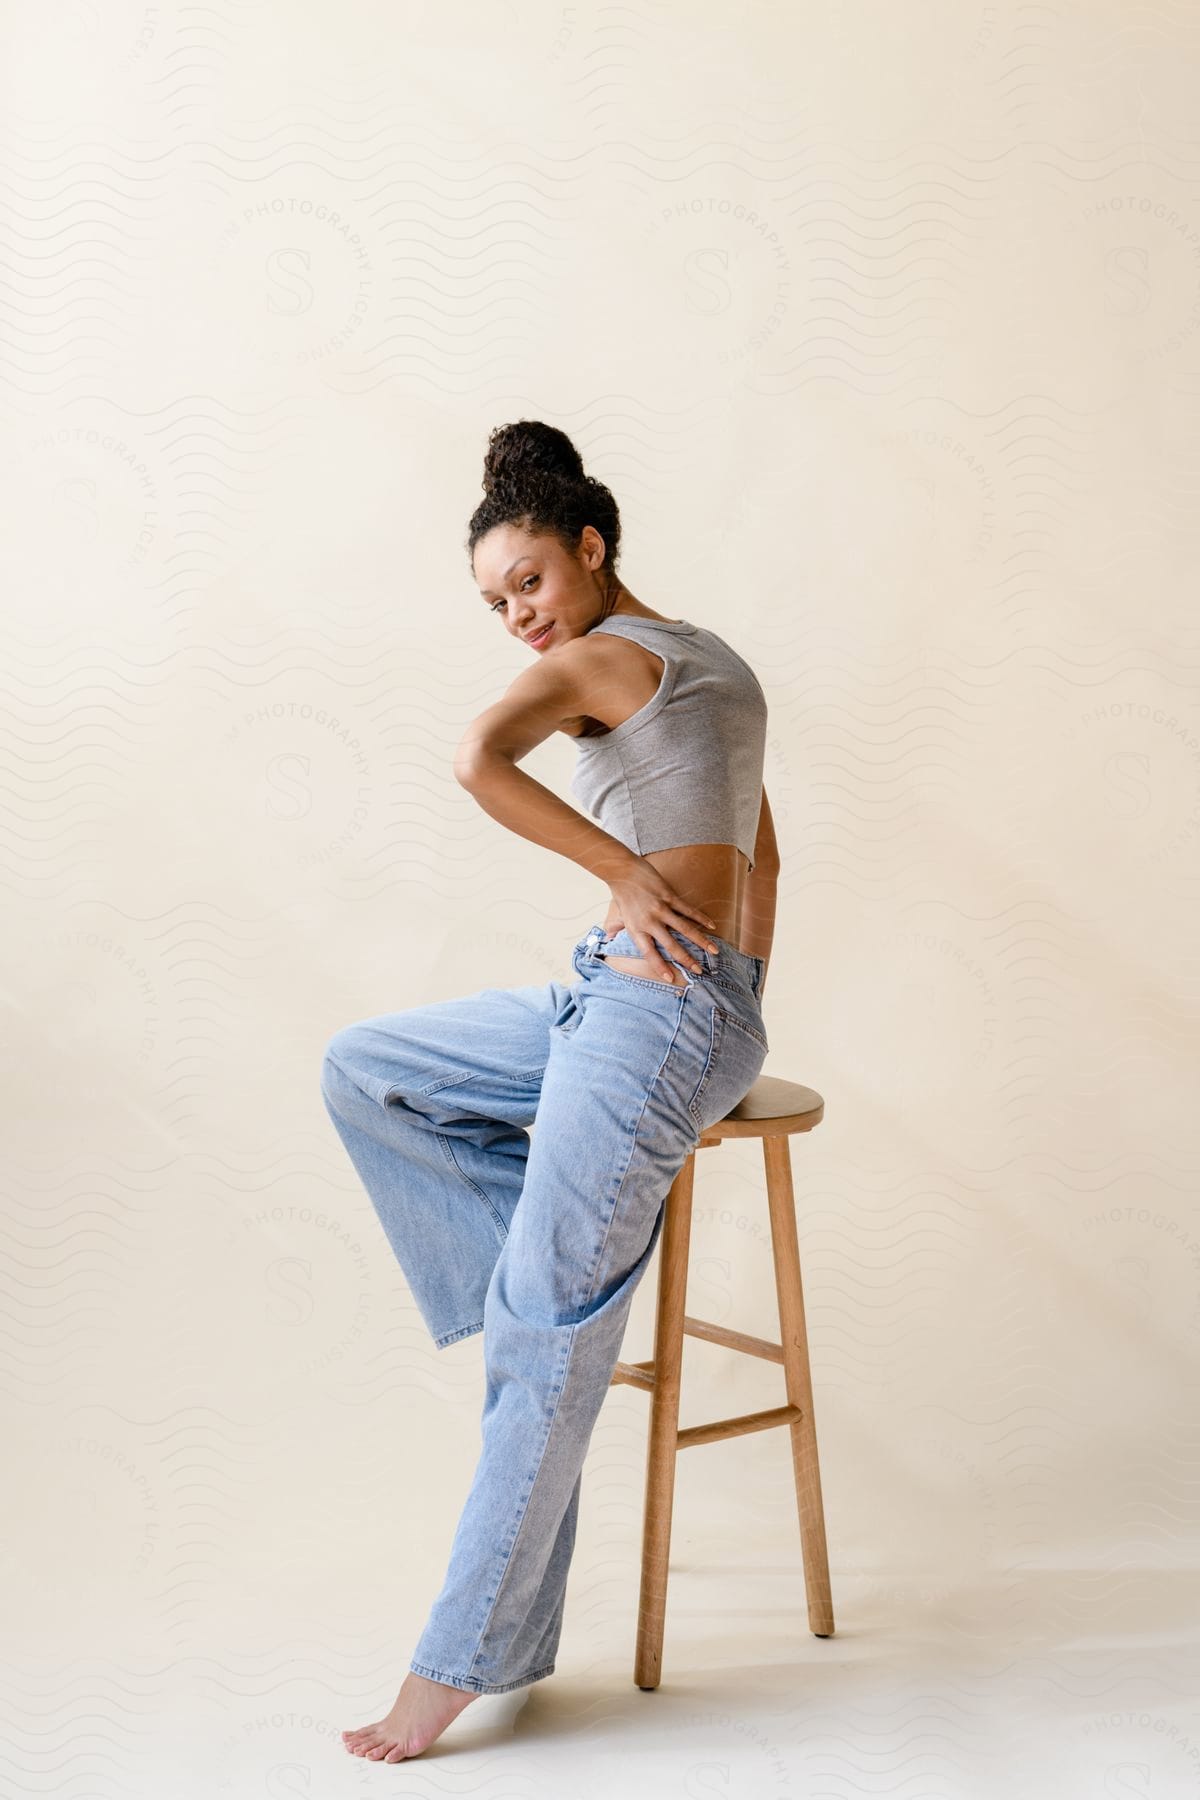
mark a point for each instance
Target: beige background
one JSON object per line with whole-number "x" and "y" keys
{"x": 883, "y": 324}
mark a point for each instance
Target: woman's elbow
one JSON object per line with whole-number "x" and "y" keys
{"x": 474, "y": 762}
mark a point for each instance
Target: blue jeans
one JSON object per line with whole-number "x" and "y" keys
{"x": 538, "y": 1244}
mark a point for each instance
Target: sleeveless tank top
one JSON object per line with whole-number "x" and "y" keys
{"x": 686, "y": 768}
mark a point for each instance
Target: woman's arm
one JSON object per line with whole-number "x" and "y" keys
{"x": 513, "y": 798}
{"x": 759, "y": 894}
{"x": 536, "y": 704}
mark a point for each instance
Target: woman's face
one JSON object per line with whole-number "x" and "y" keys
{"x": 541, "y": 592}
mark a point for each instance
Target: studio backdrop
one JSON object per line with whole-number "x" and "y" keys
{"x": 882, "y": 323}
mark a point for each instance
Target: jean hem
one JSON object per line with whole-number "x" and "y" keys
{"x": 452, "y": 1337}
{"x": 480, "y": 1687}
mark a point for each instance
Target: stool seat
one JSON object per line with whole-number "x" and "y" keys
{"x": 773, "y": 1110}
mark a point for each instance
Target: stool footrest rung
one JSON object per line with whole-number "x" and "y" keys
{"x": 639, "y": 1374}
{"x": 724, "y": 1428}
{"x": 735, "y": 1340}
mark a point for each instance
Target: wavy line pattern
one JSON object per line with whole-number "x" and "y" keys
{"x": 883, "y": 325}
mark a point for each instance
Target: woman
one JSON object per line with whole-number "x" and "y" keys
{"x": 541, "y": 1243}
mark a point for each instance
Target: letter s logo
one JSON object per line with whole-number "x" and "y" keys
{"x": 294, "y": 300}
{"x": 697, "y": 1773}
{"x": 1116, "y": 1772}
{"x": 289, "y": 1781}
{"x": 1134, "y": 1273}
{"x": 713, "y": 295}
{"x": 719, "y": 1305}
{"x": 299, "y": 1294}
{"x": 76, "y": 495}
{"x": 1129, "y": 797}
{"x": 287, "y": 778}
{"x": 1128, "y": 287}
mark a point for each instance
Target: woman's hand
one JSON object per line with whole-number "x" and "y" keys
{"x": 647, "y": 907}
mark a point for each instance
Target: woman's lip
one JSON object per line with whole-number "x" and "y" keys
{"x": 538, "y": 641}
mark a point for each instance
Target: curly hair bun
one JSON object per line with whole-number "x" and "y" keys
{"x": 529, "y": 447}
{"x": 533, "y": 478}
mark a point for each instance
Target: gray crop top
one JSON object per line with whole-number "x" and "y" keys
{"x": 686, "y": 768}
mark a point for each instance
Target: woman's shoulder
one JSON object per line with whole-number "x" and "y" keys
{"x": 617, "y": 675}
{"x": 619, "y": 624}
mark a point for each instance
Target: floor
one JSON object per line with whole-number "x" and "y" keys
{"x": 967, "y": 1662}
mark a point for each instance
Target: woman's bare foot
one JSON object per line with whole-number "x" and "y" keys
{"x": 422, "y": 1712}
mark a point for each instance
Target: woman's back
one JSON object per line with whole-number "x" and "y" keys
{"x": 687, "y": 767}
{"x": 687, "y": 773}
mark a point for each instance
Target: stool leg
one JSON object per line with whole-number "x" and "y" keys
{"x": 664, "y": 1426}
{"x": 794, "y": 1337}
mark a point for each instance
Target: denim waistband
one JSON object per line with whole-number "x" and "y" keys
{"x": 726, "y": 965}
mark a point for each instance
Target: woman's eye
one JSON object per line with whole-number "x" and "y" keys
{"x": 497, "y": 603}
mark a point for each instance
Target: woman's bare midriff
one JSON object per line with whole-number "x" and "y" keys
{"x": 708, "y": 876}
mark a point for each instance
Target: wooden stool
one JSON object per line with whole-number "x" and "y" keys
{"x": 772, "y": 1111}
